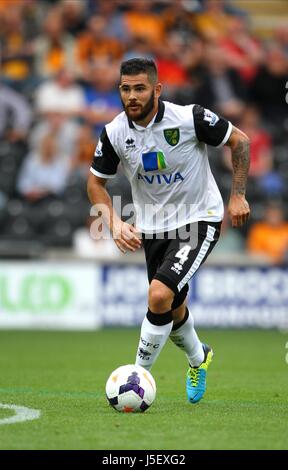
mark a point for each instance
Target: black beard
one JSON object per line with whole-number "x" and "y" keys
{"x": 146, "y": 109}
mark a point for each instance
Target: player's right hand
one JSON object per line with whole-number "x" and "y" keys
{"x": 126, "y": 237}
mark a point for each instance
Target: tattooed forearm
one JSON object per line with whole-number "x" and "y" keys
{"x": 240, "y": 163}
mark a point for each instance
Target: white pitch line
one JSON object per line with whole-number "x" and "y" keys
{"x": 21, "y": 414}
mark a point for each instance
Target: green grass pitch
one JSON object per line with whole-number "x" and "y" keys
{"x": 63, "y": 375}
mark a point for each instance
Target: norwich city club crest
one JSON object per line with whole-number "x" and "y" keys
{"x": 172, "y": 136}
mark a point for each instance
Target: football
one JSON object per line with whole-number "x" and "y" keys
{"x": 130, "y": 388}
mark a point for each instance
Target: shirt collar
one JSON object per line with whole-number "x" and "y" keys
{"x": 157, "y": 118}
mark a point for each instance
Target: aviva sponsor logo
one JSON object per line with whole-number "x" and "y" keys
{"x": 161, "y": 179}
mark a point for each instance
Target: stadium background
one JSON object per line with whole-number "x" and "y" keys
{"x": 58, "y": 87}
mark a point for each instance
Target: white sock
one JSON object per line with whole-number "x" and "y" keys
{"x": 153, "y": 337}
{"x": 186, "y": 338}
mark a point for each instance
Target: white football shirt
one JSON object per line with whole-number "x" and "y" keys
{"x": 167, "y": 164}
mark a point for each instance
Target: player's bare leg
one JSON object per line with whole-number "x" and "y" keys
{"x": 178, "y": 314}
{"x": 160, "y": 297}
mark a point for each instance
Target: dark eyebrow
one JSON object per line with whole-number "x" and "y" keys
{"x": 136, "y": 85}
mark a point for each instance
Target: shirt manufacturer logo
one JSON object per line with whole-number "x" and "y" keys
{"x": 130, "y": 143}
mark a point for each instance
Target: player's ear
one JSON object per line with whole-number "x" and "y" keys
{"x": 158, "y": 90}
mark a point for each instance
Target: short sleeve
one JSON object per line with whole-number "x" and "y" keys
{"x": 210, "y": 128}
{"x": 105, "y": 160}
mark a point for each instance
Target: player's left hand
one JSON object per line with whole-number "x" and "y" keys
{"x": 238, "y": 210}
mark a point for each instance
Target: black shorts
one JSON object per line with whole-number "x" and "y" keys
{"x": 175, "y": 257}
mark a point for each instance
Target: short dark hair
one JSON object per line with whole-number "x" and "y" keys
{"x": 139, "y": 65}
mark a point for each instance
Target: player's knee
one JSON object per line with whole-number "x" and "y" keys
{"x": 179, "y": 298}
{"x": 160, "y": 297}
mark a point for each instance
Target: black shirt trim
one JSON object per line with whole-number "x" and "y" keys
{"x": 106, "y": 163}
{"x": 159, "y": 115}
{"x": 209, "y": 127}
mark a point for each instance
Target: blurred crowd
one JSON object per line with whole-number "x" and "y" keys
{"x": 59, "y": 86}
